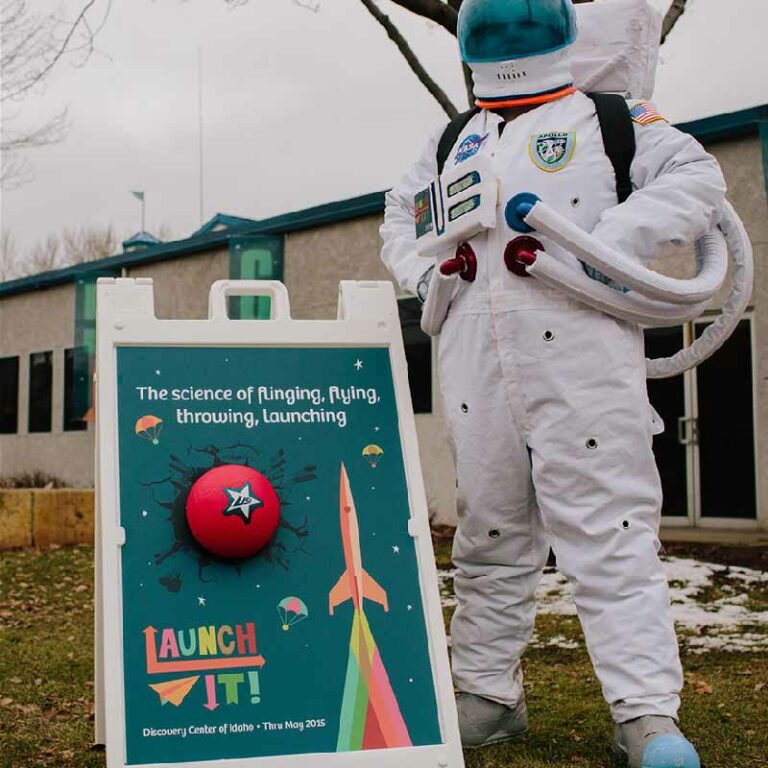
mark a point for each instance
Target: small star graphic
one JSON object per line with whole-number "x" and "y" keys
{"x": 410, "y": 679}
{"x": 143, "y": 512}
{"x": 358, "y": 364}
{"x": 242, "y": 502}
{"x": 396, "y": 549}
{"x": 376, "y": 429}
{"x": 410, "y": 607}
{"x": 157, "y": 371}
{"x": 201, "y": 601}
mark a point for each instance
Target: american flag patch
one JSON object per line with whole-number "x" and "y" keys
{"x": 644, "y": 113}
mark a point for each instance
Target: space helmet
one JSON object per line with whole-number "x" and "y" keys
{"x": 518, "y": 50}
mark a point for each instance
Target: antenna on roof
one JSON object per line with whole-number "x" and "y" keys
{"x": 200, "y": 122}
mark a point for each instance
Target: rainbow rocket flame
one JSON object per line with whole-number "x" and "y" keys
{"x": 370, "y": 714}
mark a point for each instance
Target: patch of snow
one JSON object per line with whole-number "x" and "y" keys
{"x": 722, "y": 624}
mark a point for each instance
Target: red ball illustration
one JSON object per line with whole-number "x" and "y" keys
{"x": 233, "y": 511}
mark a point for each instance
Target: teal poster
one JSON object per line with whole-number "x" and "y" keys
{"x": 271, "y": 600}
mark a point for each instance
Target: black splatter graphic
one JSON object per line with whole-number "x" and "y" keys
{"x": 171, "y": 493}
{"x": 172, "y": 581}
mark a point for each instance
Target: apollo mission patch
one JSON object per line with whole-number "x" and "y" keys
{"x": 552, "y": 151}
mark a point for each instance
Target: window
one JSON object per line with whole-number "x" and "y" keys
{"x": 73, "y": 415}
{"x": 418, "y": 353}
{"x": 254, "y": 258}
{"x": 9, "y": 395}
{"x": 40, "y": 389}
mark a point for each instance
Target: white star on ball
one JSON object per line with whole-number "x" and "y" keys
{"x": 201, "y": 601}
{"x": 358, "y": 364}
{"x": 396, "y": 549}
{"x": 242, "y": 502}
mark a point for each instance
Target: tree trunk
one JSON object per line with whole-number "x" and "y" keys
{"x": 676, "y": 10}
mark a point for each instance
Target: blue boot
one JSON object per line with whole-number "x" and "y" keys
{"x": 653, "y": 741}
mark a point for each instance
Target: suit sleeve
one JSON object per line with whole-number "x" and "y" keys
{"x": 398, "y": 231}
{"x": 679, "y": 194}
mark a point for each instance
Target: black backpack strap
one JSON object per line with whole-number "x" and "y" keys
{"x": 451, "y": 134}
{"x": 618, "y": 138}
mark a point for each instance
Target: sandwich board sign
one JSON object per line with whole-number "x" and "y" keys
{"x": 266, "y": 587}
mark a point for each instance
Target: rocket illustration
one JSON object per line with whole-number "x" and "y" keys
{"x": 355, "y": 584}
{"x": 370, "y": 715}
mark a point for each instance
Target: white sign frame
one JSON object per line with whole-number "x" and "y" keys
{"x": 367, "y": 316}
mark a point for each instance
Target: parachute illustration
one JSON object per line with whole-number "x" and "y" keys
{"x": 149, "y": 428}
{"x": 292, "y": 610}
{"x": 373, "y": 453}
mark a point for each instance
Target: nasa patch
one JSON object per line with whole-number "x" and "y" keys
{"x": 469, "y": 147}
{"x": 552, "y": 151}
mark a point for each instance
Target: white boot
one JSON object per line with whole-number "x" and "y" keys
{"x": 653, "y": 741}
{"x": 483, "y": 722}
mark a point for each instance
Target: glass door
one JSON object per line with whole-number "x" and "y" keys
{"x": 706, "y": 454}
{"x": 724, "y": 443}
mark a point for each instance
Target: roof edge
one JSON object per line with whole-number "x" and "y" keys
{"x": 319, "y": 215}
{"x": 729, "y": 125}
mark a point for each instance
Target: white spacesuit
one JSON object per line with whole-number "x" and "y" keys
{"x": 546, "y": 398}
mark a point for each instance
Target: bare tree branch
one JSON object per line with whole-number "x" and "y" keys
{"x": 15, "y": 169}
{"x": 444, "y": 14}
{"x": 8, "y": 255}
{"x": 74, "y": 246}
{"x": 31, "y": 46}
{"x": 413, "y": 62}
{"x": 676, "y": 10}
{"x": 26, "y": 29}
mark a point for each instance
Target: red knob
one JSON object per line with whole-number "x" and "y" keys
{"x": 464, "y": 262}
{"x": 521, "y": 253}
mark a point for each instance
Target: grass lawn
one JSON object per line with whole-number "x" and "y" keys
{"x": 46, "y": 683}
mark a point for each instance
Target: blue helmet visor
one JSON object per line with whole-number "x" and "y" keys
{"x": 500, "y": 30}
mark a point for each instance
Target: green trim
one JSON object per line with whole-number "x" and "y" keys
{"x": 731, "y": 125}
{"x": 254, "y": 258}
{"x": 84, "y": 352}
{"x": 224, "y": 221}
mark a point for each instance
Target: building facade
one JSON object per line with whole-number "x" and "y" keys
{"x": 713, "y": 456}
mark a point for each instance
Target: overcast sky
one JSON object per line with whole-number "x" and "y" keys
{"x": 299, "y": 108}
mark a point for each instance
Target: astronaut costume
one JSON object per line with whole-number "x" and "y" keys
{"x": 545, "y": 397}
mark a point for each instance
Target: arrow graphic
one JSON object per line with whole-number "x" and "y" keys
{"x": 210, "y": 687}
{"x": 155, "y": 667}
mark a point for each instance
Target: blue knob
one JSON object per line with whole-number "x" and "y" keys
{"x": 517, "y": 208}
{"x": 524, "y": 209}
